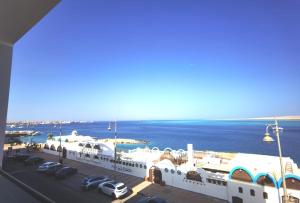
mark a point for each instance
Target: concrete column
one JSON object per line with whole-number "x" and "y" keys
{"x": 5, "y": 70}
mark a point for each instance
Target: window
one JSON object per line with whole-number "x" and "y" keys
{"x": 141, "y": 166}
{"x": 145, "y": 166}
{"x": 136, "y": 165}
{"x": 166, "y": 170}
{"x": 252, "y": 192}
{"x": 224, "y": 183}
{"x": 179, "y": 172}
{"x": 208, "y": 180}
{"x": 172, "y": 171}
{"x": 219, "y": 182}
{"x": 265, "y": 195}
{"x": 240, "y": 190}
{"x": 214, "y": 181}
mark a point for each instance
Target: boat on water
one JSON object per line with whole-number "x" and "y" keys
{"x": 234, "y": 177}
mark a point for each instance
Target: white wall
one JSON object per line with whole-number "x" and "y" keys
{"x": 5, "y": 70}
{"x": 233, "y": 190}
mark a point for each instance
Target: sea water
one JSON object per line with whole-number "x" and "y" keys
{"x": 216, "y": 135}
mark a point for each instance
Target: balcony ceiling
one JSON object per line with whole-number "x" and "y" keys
{"x": 19, "y": 16}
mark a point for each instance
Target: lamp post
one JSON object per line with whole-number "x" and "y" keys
{"x": 268, "y": 138}
{"x": 59, "y": 151}
{"x": 115, "y": 145}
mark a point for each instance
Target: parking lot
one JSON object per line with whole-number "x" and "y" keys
{"x": 68, "y": 190}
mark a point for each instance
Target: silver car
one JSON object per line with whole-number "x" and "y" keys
{"x": 45, "y": 166}
{"x": 113, "y": 188}
{"x": 93, "y": 182}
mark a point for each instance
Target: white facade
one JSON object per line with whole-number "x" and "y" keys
{"x": 211, "y": 174}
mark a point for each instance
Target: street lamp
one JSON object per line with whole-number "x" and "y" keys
{"x": 60, "y": 149}
{"x": 115, "y": 145}
{"x": 268, "y": 138}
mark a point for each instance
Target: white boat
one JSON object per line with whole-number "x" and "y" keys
{"x": 235, "y": 177}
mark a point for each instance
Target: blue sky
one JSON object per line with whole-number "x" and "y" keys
{"x": 138, "y": 59}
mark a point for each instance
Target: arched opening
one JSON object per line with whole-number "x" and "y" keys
{"x": 241, "y": 174}
{"x": 193, "y": 175}
{"x": 88, "y": 146}
{"x": 46, "y": 146}
{"x": 97, "y": 147}
{"x": 292, "y": 182}
{"x": 80, "y": 145}
{"x": 155, "y": 175}
{"x": 59, "y": 149}
{"x": 52, "y": 147}
{"x": 265, "y": 180}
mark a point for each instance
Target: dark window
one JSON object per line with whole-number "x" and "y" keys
{"x": 219, "y": 182}
{"x": 265, "y": 195}
{"x": 136, "y": 165}
{"x": 214, "y": 181}
{"x": 145, "y": 166}
{"x": 96, "y": 157}
{"x": 179, "y": 172}
{"x": 224, "y": 183}
{"x": 141, "y": 166}
{"x": 172, "y": 171}
{"x": 208, "y": 180}
{"x": 123, "y": 163}
{"x": 240, "y": 190}
{"x": 252, "y": 192}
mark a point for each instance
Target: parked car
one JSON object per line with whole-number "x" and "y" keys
{"x": 45, "y": 166}
{"x": 33, "y": 160}
{"x": 64, "y": 172}
{"x": 151, "y": 200}
{"x": 53, "y": 169}
{"x": 21, "y": 156}
{"x": 93, "y": 182}
{"x": 113, "y": 188}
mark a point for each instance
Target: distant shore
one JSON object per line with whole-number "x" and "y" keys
{"x": 277, "y": 118}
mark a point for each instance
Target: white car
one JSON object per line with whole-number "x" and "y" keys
{"x": 45, "y": 166}
{"x": 113, "y": 188}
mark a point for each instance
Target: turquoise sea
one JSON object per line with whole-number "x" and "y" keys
{"x": 216, "y": 135}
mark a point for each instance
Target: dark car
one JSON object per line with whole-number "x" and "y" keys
{"x": 93, "y": 182}
{"x": 64, "y": 172}
{"x": 21, "y": 156}
{"x": 33, "y": 160}
{"x": 53, "y": 169}
{"x": 152, "y": 200}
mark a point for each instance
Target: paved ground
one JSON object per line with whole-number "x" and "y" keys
{"x": 68, "y": 190}
{"x": 11, "y": 193}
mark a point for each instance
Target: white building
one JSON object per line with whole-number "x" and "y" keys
{"x": 235, "y": 177}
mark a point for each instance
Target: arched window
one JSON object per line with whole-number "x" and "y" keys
{"x": 88, "y": 145}
{"x": 46, "y": 146}
{"x": 80, "y": 145}
{"x": 96, "y": 157}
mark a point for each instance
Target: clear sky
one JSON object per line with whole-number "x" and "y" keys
{"x": 151, "y": 59}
